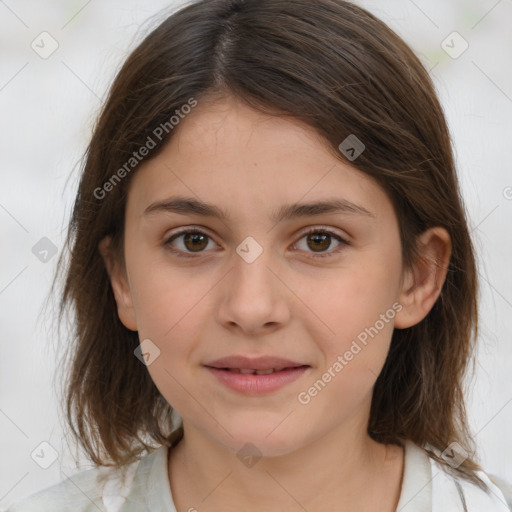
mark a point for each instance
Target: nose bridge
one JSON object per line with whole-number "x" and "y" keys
{"x": 252, "y": 262}
{"x": 254, "y": 295}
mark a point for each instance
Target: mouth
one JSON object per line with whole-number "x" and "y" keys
{"x": 246, "y": 364}
{"x": 256, "y": 376}
{"x": 250, "y": 371}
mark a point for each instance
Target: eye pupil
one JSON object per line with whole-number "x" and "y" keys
{"x": 195, "y": 238}
{"x": 319, "y": 238}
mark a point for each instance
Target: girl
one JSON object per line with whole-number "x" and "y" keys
{"x": 272, "y": 275}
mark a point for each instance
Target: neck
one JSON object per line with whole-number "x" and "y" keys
{"x": 331, "y": 473}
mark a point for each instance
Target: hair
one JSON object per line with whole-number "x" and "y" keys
{"x": 342, "y": 71}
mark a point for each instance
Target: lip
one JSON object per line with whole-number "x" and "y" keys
{"x": 253, "y": 384}
{"x": 254, "y": 363}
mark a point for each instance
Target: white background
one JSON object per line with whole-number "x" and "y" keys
{"x": 47, "y": 110}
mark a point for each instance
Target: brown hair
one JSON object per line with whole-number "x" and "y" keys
{"x": 342, "y": 71}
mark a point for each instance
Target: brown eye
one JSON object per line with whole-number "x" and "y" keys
{"x": 319, "y": 241}
{"x": 195, "y": 241}
{"x": 191, "y": 241}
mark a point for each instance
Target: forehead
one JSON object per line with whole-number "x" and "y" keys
{"x": 229, "y": 154}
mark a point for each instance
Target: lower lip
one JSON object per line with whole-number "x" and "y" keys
{"x": 253, "y": 384}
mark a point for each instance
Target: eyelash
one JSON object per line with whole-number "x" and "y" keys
{"x": 320, "y": 230}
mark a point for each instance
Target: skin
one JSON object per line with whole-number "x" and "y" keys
{"x": 286, "y": 303}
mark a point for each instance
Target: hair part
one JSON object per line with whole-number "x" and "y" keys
{"x": 341, "y": 70}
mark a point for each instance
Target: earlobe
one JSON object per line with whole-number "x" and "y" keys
{"x": 119, "y": 283}
{"x": 423, "y": 282}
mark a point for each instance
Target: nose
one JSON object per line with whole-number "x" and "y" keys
{"x": 254, "y": 298}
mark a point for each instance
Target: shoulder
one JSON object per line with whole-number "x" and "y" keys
{"x": 428, "y": 486}
{"x": 82, "y": 492}
{"x": 447, "y": 488}
{"x": 505, "y": 488}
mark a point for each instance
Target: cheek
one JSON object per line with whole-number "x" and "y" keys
{"x": 166, "y": 299}
{"x": 357, "y": 314}
{"x": 171, "y": 310}
{"x": 360, "y": 316}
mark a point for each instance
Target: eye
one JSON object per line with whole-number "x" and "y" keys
{"x": 321, "y": 239}
{"x": 193, "y": 241}
{"x": 196, "y": 241}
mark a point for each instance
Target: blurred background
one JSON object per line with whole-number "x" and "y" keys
{"x": 57, "y": 59}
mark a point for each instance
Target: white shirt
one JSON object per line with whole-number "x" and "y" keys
{"x": 426, "y": 487}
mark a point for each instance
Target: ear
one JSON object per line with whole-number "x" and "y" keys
{"x": 120, "y": 284}
{"x": 421, "y": 285}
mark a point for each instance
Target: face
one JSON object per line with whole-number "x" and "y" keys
{"x": 253, "y": 283}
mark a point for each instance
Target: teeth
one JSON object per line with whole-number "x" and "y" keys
{"x": 254, "y": 372}
{"x": 265, "y": 372}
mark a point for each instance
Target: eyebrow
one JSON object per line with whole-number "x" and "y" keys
{"x": 192, "y": 206}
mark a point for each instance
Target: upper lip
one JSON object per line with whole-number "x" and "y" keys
{"x": 256, "y": 363}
